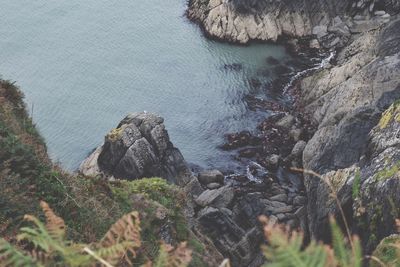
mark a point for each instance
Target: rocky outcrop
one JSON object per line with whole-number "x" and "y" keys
{"x": 229, "y": 215}
{"x": 139, "y": 147}
{"x": 368, "y": 191}
{"x": 354, "y": 145}
{"x": 243, "y": 20}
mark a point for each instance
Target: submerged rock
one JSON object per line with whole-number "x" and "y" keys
{"x": 139, "y": 147}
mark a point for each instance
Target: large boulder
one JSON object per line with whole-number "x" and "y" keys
{"x": 139, "y": 147}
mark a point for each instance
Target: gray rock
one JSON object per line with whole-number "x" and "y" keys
{"x": 280, "y": 198}
{"x": 379, "y": 13}
{"x": 295, "y": 134}
{"x": 286, "y": 122}
{"x": 139, "y": 147}
{"x": 300, "y": 212}
{"x": 194, "y": 188}
{"x": 298, "y": 148}
{"x": 350, "y": 143}
{"x": 281, "y": 217}
{"x": 299, "y": 200}
{"x": 221, "y": 197}
{"x": 211, "y": 176}
{"x": 320, "y": 31}
{"x": 243, "y": 21}
{"x": 230, "y": 238}
{"x": 315, "y": 44}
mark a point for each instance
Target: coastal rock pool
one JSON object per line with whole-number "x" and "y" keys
{"x": 83, "y": 65}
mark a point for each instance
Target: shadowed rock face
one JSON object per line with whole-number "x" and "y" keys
{"x": 139, "y": 147}
{"x": 351, "y": 144}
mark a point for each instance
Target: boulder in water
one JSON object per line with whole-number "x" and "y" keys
{"x": 139, "y": 147}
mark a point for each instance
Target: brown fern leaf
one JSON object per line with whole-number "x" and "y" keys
{"x": 178, "y": 257}
{"x": 125, "y": 234}
{"x": 55, "y": 225}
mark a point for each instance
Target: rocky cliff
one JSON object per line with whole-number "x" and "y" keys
{"x": 355, "y": 144}
{"x": 350, "y": 103}
{"x": 242, "y": 21}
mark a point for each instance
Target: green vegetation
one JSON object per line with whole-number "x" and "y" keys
{"x": 387, "y": 173}
{"x": 388, "y": 252}
{"x": 89, "y": 206}
{"x": 46, "y": 245}
{"x": 285, "y": 249}
{"x": 115, "y": 134}
{"x": 393, "y": 112}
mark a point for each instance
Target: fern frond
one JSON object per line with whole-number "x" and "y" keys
{"x": 54, "y": 224}
{"x": 124, "y": 236}
{"x": 285, "y": 248}
{"x": 338, "y": 243}
{"x": 115, "y": 253}
{"x": 173, "y": 257}
{"x": 10, "y": 256}
{"x": 357, "y": 258}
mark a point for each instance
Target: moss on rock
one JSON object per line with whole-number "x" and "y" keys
{"x": 392, "y": 113}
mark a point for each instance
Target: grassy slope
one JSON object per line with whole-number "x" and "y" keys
{"x": 88, "y": 205}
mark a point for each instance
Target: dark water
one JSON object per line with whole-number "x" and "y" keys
{"x": 85, "y": 64}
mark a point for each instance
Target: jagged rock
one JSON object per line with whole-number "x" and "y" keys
{"x": 242, "y": 21}
{"x": 241, "y": 246}
{"x": 211, "y": 176}
{"x": 221, "y": 197}
{"x": 138, "y": 147}
{"x": 194, "y": 188}
{"x": 340, "y": 102}
{"x": 351, "y": 147}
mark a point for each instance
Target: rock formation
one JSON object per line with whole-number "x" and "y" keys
{"x": 346, "y": 102}
{"x": 242, "y": 20}
{"x": 353, "y": 145}
{"x": 139, "y": 147}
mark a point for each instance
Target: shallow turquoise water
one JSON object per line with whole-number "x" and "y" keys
{"x": 84, "y": 65}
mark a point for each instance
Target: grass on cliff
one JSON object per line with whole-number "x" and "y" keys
{"x": 89, "y": 206}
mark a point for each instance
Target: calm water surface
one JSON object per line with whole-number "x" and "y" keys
{"x": 85, "y": 64}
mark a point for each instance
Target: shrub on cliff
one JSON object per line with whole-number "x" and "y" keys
{"x": 89, "y": 206}
{"x": 44, "y": 244}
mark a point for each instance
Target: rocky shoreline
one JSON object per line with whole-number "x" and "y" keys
{"x": 344, "y": 102}
{"x": 335, "y": 128}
